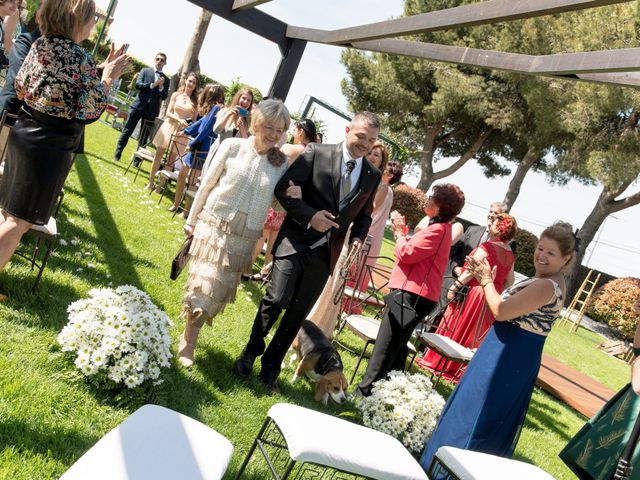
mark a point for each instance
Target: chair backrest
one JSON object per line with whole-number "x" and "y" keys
{"x": 176, "y": 149}
{"x": 195, "y": 172}
{"x": 148, "y": 129}
{"x": 6, "y": 122}
{"x": 370, "y": 281}
{"x": 454, "y": 312}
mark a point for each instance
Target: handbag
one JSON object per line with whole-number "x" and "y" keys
{"x": 181, "y": 258}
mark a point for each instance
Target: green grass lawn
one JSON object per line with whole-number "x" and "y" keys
{"x": 49, "y": 414}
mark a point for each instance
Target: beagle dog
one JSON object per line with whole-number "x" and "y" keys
{"x": 320, "y": 361}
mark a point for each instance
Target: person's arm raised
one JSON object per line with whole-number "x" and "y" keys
{"x": 535, "y": 295}
{"x": 478, "y": 254}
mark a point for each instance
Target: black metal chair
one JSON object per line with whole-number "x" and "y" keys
{"x": 143, "y": 154}
{"x": 46, "y": 237}
{"x": 190, "y": 189}
{"x": 167, "y": 175}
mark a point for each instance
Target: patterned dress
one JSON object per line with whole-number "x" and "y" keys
{"x": 62, "y": 92}
{"x": 486, "y": 411}
{"x": 594, "y": 451}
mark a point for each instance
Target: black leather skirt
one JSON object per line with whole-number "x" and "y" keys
{"x": 40, "y": 152}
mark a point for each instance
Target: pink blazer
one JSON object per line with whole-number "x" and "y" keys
{"x": 421, "y": 261}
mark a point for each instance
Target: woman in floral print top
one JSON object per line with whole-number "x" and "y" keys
{"x": 62, "y": 90}
{"x": 59, "y": 78}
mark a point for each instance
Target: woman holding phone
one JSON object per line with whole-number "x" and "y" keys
{"x": 234, "y": 120}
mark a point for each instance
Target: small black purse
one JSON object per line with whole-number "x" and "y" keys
{"x": 181, "y": 259}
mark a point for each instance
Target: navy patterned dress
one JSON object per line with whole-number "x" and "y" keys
{"x": 62, "y": 91}
{"x": 486, "y": 411}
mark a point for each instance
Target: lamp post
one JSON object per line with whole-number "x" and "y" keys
{"x": 110, "y": 10}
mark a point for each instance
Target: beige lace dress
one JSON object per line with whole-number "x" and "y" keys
{"x": 228, "y": 213}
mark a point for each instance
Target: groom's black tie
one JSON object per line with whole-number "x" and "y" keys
{"x": 345, "y": 186}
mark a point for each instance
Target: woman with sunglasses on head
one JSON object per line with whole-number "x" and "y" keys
{"x": 486, "y": 411}
{"x": 232, "y": 122}
{"x": 181, "y": 110}
{"x": 63, "y": 91}
{"x": 415, "y": 282}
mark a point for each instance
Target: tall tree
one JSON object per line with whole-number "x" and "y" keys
{"x": 604, "y": 151}
{"x": 457, "y": 112}
{"x": 191, "y": 62}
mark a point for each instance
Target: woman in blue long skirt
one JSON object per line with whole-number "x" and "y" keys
{"x": 486, "y": 411}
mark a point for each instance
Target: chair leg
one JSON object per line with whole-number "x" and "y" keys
{"x": 257, "y": 443}
{"x": 128, "y": 166}
{"x": 442, "y": 364}
{"x": 35, "y": 253}
{"x": 253, "y": 448}
{"x": 47, "y": 253}
{"x": 355, "y": 370}
{"x": 137, "y": 171}
{"x": 436, "y": 466}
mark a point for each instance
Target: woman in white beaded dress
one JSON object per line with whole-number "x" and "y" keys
{"x": 227, "y": 216}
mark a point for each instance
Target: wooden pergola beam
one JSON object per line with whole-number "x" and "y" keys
{"x": 254, "y": 20}
{"x": 628, "y": 79}
{"x": 479, "y": 13}
{"x": 601, "y": 61}
{"x": 243, "y": 4}
{"x": 601, "y": 66}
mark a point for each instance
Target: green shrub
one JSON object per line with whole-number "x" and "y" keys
{"x": 614, "y": 304}
{"x": 410, "y": 202}
{"x": 525, "y": 245}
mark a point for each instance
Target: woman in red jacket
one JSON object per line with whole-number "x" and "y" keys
{"x": 415, "y": 281}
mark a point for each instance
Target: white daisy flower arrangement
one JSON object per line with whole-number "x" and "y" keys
{"x": 118, "y": 333}
{"x": 406, "y": 406}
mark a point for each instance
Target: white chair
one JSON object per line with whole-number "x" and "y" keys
{"x": 468, "y": 465}
{"x": 155, "y": 443}
{"x": 314, "y": 442}
{"x": 367, "y": 329}
{"x": 448, "y": 349}
{"x": 139, "y": 156}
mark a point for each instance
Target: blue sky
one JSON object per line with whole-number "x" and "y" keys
{"x": 150, "y": 26}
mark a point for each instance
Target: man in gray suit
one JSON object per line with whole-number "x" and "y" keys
{"x": 338, "y": 187}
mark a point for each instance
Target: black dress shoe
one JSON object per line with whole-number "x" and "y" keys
{"x": 243, "y": 365}
{"x": 270, "y": 384}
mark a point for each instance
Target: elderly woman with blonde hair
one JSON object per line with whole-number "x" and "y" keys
{"x": 227, "y": 216}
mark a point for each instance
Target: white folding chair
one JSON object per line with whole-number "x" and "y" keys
{"x": 155, "y": 443}
{"x": 468, "y": 465}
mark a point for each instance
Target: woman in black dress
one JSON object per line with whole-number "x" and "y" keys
{"x": 62, "y": 90}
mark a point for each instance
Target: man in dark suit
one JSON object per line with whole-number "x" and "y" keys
{"x": 153, "y": 86}
{"x": 338, "y": 187}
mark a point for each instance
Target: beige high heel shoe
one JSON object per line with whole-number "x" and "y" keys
{"x": 193, "y": 322}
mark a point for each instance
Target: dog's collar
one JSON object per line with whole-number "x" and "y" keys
{"x": 332, "y": 361}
